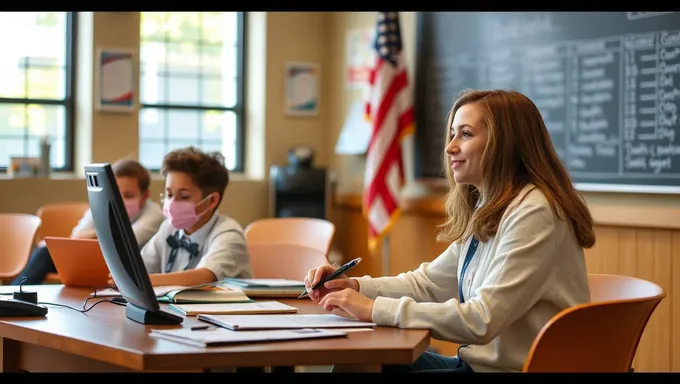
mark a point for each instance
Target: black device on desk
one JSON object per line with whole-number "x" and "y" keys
{"x": 120, "y": 249}
{"x": 22, "y": 304}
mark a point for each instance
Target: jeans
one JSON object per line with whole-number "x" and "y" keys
{"x": 39, "y": 265}
{"x": 432, "y": 362}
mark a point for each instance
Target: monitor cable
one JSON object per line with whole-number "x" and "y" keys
{"x": 85, "y": 308}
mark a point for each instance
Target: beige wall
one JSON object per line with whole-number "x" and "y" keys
{"x": 273, "y": 39}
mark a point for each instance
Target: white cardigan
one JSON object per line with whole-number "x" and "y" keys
{"x": 517, "y": 281}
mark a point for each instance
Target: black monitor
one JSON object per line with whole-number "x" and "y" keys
{"x": 120, "y": 249}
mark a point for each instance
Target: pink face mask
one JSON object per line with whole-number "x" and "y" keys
{"x": 132, "y": 208}
{"x": 182, "y": 214}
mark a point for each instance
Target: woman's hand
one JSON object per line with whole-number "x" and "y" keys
{"x": 318, "y": 274}
{"x": 351, "y": 301}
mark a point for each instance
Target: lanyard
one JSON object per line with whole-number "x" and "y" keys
{"x": 468, "y": 257}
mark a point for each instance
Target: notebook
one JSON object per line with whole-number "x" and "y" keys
{"x": 267, "y": 288}
{"x": 233, "y": 308}
{"x": 219, "y": 336}
{"x": 204, "y": 293}
{"x": 296, "y": 321}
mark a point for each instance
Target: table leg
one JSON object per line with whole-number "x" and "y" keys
{"x": 9, "y": 355}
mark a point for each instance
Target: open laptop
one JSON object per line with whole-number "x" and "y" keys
{"x": 79, "y": 262}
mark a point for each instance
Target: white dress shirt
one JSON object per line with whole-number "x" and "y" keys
{"x": 221, "y": 249}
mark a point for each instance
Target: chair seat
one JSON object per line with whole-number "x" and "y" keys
{"x": 52, "y": 278}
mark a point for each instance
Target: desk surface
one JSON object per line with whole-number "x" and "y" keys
{"x": 105, "y": 334}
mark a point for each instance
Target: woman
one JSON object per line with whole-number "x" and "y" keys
{"x": 517, "y": 229}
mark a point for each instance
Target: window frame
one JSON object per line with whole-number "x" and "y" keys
{"x": 69, "y": 98}
{"x": 238, "y": 109}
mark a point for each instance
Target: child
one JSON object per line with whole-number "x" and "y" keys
{"x": 145, "y": 215}
{"x": 195, "y": 244}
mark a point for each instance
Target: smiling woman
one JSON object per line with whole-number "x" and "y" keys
{"x": 517, "y": 229}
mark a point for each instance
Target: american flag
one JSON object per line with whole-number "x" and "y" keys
{"x": 389, "y": 109}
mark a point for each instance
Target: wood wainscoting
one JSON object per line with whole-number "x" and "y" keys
{"x": 643, "y": 248}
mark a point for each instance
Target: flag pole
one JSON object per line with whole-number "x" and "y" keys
{"x": 386, "y": 255}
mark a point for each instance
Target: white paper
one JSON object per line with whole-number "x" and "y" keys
{"x": 116, "y": 79}
{"x": 356, "y": 133}
{"x": 224, "y": 308}
{"x": 217, "y": 336}
{"x": 272, "y": 282}
{"x": 247, "y": 322}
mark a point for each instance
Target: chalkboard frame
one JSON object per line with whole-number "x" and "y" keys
{"x": 420, "y": 88}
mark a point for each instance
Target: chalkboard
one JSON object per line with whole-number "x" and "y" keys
{"x": 606, "y": 83}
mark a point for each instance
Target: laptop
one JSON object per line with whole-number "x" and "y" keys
{"x": 79, "y": 262}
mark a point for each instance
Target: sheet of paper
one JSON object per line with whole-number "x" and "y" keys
{"x": 218, "y": 336}
{"x": 272, "y": 282}
{"x": 234, "y": 308}
{"x": 356, "y": 132}
{"x": 244, "y": 322}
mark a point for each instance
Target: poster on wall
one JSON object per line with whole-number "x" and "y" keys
{"x": 359, "y": 57}
{"x": 115, "y": 81}
{"x": 302, "y": 89}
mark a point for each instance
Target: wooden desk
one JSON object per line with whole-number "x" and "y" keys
{"x": 103, "y": 339}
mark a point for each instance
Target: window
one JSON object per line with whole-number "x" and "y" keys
{"x": 191, "y": 85}
{"x": 36, "y": 99}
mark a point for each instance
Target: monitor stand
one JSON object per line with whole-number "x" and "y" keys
{"x": 145, "y": 316}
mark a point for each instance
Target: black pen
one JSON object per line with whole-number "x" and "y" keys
{"x": 201, "y": 327}
{"x": 333, "y": 275}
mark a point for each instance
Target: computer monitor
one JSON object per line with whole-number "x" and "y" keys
{"x": 120, "y": 249}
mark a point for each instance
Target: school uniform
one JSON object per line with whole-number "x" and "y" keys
{"x": 219, "y": 246}
{"x": 513, "y": 284}
{"x": 144, "y": 224}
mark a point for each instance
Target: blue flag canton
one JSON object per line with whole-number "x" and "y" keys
{"x": 388, "y": 37}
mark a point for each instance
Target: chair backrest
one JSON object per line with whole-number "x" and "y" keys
{"x": 599, "y": 336}
{"x": 283, "y": 260}
{"x": 310, "y": 232}
{"x": 58, "y": 219}
{"x": 18, "y": 233}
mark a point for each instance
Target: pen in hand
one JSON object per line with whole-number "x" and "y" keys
{"x": 334, "y": 275}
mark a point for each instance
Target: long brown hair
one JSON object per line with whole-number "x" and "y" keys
{"x": 519, "y": 151}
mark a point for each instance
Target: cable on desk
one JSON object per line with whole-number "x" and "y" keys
{"x": 85, "y": 308}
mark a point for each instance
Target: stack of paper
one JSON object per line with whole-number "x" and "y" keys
{"x": 233, "y": 308}
{"x": 218, "y": 336}
{"x": 267, "y": 287}
{"x": 257, "y": 322}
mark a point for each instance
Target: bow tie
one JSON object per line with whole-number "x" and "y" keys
{"x": 175, "y": 242}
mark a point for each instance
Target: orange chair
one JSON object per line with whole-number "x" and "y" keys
{"x": 18, "y": 234}
{"x": 58, "y": 220}
{"x": 283, "y": 260}
{"x": 310, "y": 232}
{"x": 599, "y": 336}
